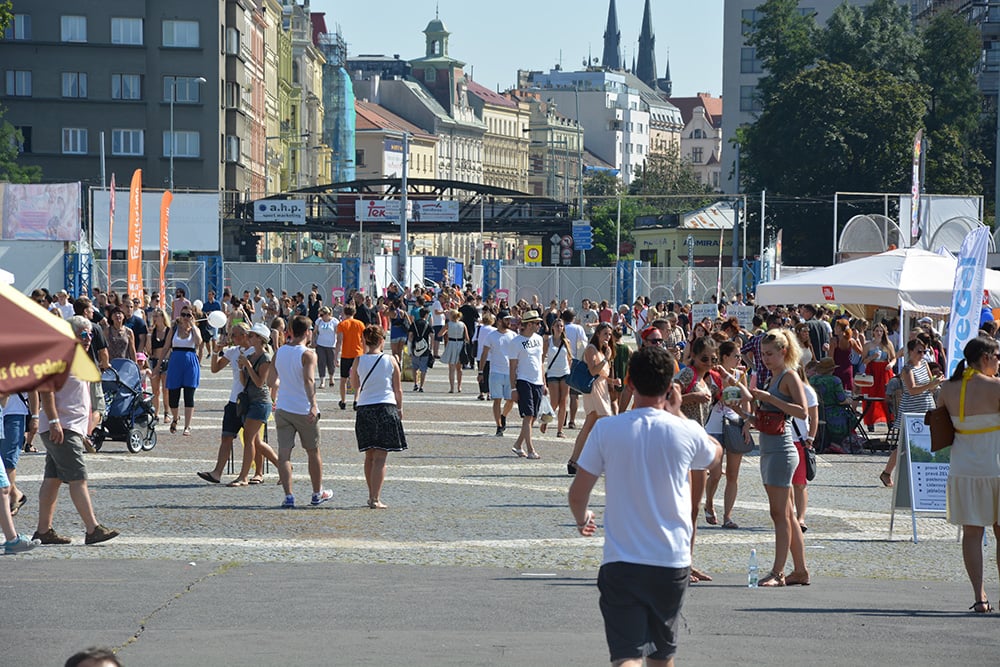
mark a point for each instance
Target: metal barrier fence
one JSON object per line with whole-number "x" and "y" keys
{"x": 190, "y": 276}
{"x": 240, "y": 276}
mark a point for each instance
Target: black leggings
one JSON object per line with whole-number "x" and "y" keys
{"x": 174, "y": 397}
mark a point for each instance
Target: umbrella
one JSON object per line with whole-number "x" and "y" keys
{"x": 38, "y": 350}
{"x": 910, "y": 278}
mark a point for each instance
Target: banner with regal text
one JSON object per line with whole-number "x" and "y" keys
{"x": 135, "y": 237}
{"x": 164, "y": 242}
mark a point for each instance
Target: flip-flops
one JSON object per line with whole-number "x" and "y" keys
{"x": 16, "y": 507}
{"x": 519, "y": 452}
{"x": 208, "y": 478}
{"x": 256, "y": 479}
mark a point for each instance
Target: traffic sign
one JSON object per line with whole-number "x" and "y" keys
{"x": 566, "y": 241}
{"x": 583, "y": 237}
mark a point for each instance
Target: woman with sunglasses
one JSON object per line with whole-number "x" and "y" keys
{"x": 156, "y": 342}
{"x": 919, "y": 385}
{"x": 255, "y": 364}
{"x": 557, "y": 366}
{"x": 699, "y": 384}
{"x": 183, "y": 370}
{"x": 599, "y": 357}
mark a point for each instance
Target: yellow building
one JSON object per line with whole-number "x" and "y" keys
{"x": 663, "y": 240}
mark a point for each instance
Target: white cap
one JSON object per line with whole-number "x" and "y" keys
{"x": 261, "y": 330}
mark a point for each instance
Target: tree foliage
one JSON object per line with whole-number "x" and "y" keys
{"x": 786, "y": 41}
{"x": 10, "y": 138}
{"x": 878, "y": 37}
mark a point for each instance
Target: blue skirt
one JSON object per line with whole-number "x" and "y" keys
{"x": 183, "y": 369}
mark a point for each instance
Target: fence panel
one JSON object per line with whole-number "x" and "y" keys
{"x": 532, "y": 281}
{"x": 190, "y": 276}
{"x": 301, "y": 278}
{"x": 577, "y": 283}
{"x": 240, "y": 276}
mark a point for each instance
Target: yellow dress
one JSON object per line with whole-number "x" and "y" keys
{"x": 974, "y": 473}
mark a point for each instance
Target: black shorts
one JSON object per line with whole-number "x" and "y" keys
{"x": 640, "y": 605}
{"x": 529, "y": 398}
{"x": 231, "y": 422}
{"x": 345, "y": 367}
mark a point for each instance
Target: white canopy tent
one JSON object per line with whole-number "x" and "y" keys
{"x": 907, "y": 278}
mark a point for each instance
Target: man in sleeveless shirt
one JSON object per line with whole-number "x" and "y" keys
{"x": 296, "y": 411}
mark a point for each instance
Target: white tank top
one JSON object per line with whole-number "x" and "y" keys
{"x": 292, "y": 390}
{"x": 180, "y": 343}
{"x": 378, "y": 387}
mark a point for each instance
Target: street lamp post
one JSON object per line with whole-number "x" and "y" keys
{"x": 173, "y": 140}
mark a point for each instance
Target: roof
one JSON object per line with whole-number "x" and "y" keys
{"x": 318, "y": 25}
{"x": 591, "y": 160}
{"x": 712, "y": 106}
{"x": 489, "y": 96}
{"x": 371, "y": 116}
{"x": 719, "y": 215}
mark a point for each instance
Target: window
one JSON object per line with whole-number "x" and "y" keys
{"x": 24, "y": 143}
{"x": 697, "y": 155}
{"x": 430, "y": 75}
{"x": 186, "y": 144}
{"x": 232, "y": 148}
{"x": 19, "y": 82}
{"x": 126, "y": 31}
{"x": 74, "y": 141}
{"x": 74, "y": 84}
{"x": 749, "y": 62}
{"x": 232, "y": 42}
{"x": 750, "y": 17}
{"x": 126, "y": 142}
{"x": 748, "y": 99}
{"x": 187, "y": 90}
{"x": 19, "y": 27}
{"x": 181, "y": 34}
{"x": 126, "y": 87}
{"x": 74, "y": 28}
{"x": 359, "y": 158}
{"x": 232, "y": 95}
{"x": 698, "y": 134}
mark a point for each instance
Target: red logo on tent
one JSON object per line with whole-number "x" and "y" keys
{"x": 828, "y": 293}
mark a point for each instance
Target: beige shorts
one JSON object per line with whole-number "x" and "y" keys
{"x": 287, "y": 424}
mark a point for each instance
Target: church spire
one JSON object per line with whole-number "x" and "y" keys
{"x": 611, "y": 60}
{"x": 646, "y": 65}
{"x": 666, "y": 85}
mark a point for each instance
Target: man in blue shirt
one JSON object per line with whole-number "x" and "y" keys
{"x": 135, "y": 322}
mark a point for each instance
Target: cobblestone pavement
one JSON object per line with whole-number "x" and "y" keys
{"x": 457, "y": 497}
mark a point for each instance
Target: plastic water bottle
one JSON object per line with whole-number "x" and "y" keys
{"x": 753, "y": 570}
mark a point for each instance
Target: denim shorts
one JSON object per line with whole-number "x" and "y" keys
{"x": 500, "y": 386}
{"x": 12, "y": 440}
{"x": 259, "y": 411}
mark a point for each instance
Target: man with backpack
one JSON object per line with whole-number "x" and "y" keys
{"x": 420, "y": 348}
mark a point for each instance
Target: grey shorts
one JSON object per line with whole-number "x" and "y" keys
{"x": 97, "y": 403}
{"x": 640, "y": 605}
{"x": 287, "y": 424}
{"x": 65, "y": 460}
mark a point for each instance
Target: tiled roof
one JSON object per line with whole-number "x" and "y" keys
{"x": 489, "y": 96}
{"x": 371, "y": 116}
{"x": 712, "y": 106}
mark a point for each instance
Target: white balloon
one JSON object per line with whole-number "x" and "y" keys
{"x": 217, "y": 319}
{"x": 197, "y": 304}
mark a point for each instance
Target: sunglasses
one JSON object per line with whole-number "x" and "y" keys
{"x": 185, "y": 314}
{"x": 84, "y": 335}
{"x": 712, "y": 359}
{"x": 655, "y": 341}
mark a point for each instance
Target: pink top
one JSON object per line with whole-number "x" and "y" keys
{"x": 73, "y": 406}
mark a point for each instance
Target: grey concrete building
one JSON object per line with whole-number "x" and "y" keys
{"x": 73, "y": 71}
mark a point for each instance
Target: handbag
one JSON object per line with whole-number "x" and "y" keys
{"x": 732, "y": 437}
{"x": 242, "y": 404}
{"x": 942, "y": 430}
{"x": 580, "y": 378}
{"x": 809, "y": 452}
{"x": 771, "y": 422}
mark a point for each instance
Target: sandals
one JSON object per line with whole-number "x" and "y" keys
{"x": 730, "y": 524}
{"x": 981, "y": 607}
{"x": 772, "y": 580}
{"x": 885, "y": 478}
{"x": 238, "y": 482}
{"x": 710, "y": 518}
{"x": 520, "y": 452}
{"x": 560, "y": 434}
{"x": 29, "y": 448}
{"x": 256, "y": 479}
{"x": 698, "y": 575}
{"x": 173, "y": 426}
{"x": 534, "y": 456}
{"x": 798, "y": 579}
{"x": 187, "y": 431}
{"x": 207, "y": 476}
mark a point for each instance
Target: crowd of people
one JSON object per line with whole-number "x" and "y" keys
{"x": 775, "y": 379}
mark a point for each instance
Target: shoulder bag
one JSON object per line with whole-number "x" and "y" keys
{"x": 580, "y": 378}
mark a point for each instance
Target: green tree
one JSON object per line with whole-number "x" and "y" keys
{"x": 833, "y": 128}
{"x": 877, "y": 37}
{"x": 786, "y": 40}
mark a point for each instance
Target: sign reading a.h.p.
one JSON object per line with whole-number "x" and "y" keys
{"x": 280, "y": 210}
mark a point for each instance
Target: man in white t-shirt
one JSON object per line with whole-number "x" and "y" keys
{"x": 589, "y": 318}
{"x": 527, "y": 377}
{"x": 577, "y": 339}
{"x": 438, "y": 320}
{"x": 259, "y": 308}
{"x": 646, "y": 456}
{"x": 63, "y": 305}
{"x": 494, "y": 360}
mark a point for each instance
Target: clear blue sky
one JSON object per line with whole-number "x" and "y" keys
{"x": 495, "y": 39}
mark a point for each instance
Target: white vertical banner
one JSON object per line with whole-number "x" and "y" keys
{"x": 966, "y": 303}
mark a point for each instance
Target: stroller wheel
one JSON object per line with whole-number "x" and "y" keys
{"x": 150, "y": 440}
{"x": 134, "y": 442}
{"x": 97, "y": 438}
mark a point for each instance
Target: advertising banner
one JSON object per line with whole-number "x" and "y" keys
{"x": 164, "y": 242}
{"x": 111, "y": 225}
{"x": 37, "y": 212}
{"x": 966, "y": 302}
{"x": 135, "y": 236}
{"x": 433, "y": 211}
{"x": 380, "y": 210}
{"x": 280, "y": 210}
